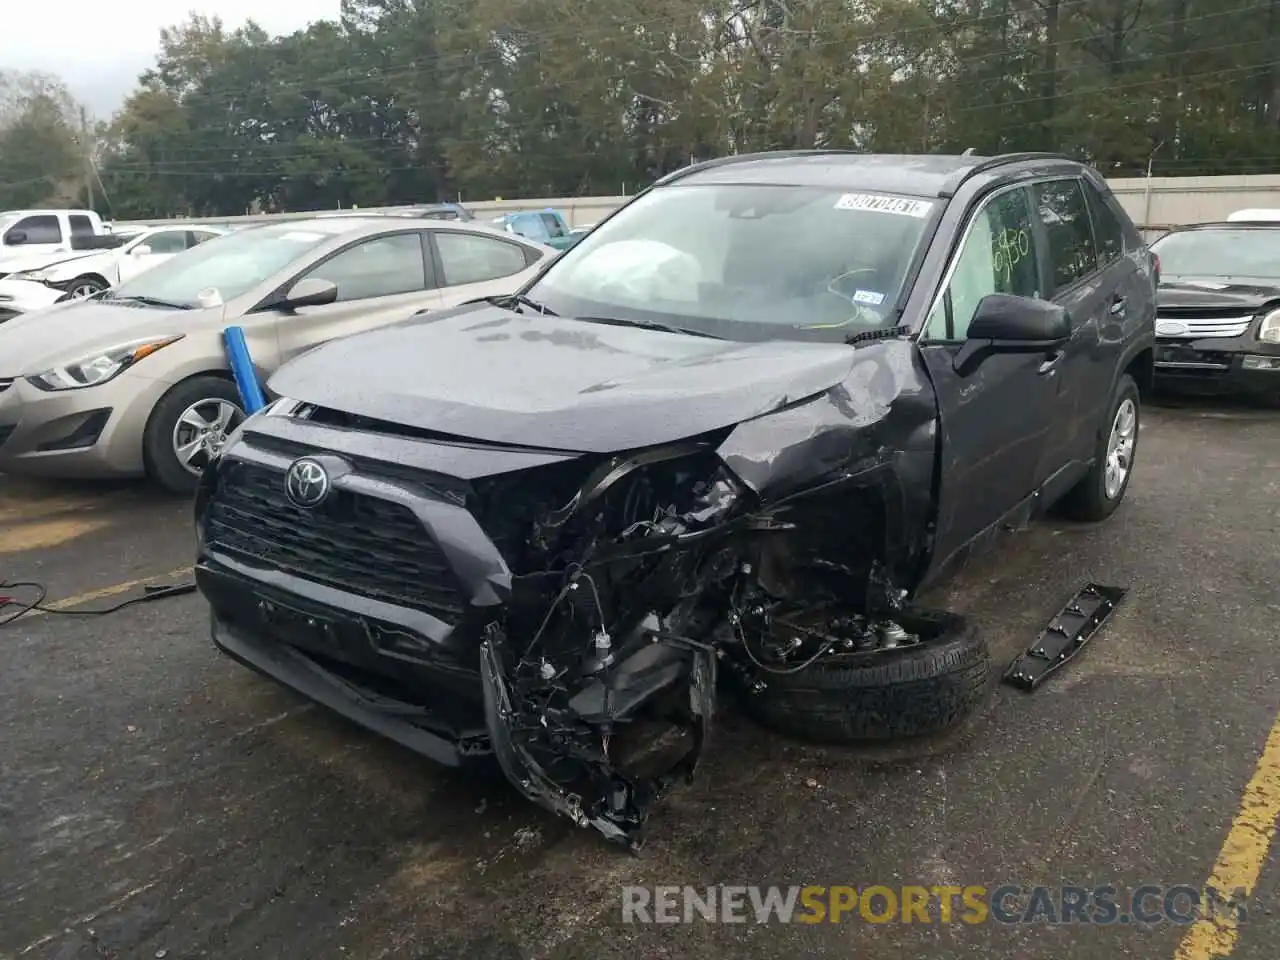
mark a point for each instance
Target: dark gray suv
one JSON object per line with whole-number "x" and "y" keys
{"x": 732, "y": 433}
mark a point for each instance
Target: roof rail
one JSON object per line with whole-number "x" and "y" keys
{"x": 987, "y": 163}
{"x": 732, "y": 158}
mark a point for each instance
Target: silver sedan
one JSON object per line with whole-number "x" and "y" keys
{"x": 135, "y": 381}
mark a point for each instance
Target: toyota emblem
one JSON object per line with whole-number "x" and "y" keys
{"x": 307, "y": 483}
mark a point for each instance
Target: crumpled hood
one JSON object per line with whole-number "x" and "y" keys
{"x": 33, "y": 342}
{"x": 1213, "y": 293}
{"x": 496, "y": 376}
{"x": 69, "y": 264}
{"x": 17, "y": 262}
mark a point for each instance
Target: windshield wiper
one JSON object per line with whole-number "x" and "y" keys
{"x": 153, "y": 302}
{"x": 650, "y": 325}
{"x": 884, "y": 333}
{"x": 511, "y": 301}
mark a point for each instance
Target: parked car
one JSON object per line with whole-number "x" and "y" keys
{"x": 25, "y": 234}
{"x": 425, "y": 211}
{"x": 1218, "y": 326}
{"x": 739, "y": 426}
{"x": 440, "y": 211}
{"x": 546, "y": 226}
{"x": 135, "y": 381}
{"x": 1255, "y": 215}
{"x": 86, "y": 272}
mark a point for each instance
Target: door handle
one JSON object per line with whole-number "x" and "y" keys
{"x": 1118, "y": 306}
{"x": 1051, "y": 362}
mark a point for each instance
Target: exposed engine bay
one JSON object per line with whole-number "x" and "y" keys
{"x": 637, "y": 591}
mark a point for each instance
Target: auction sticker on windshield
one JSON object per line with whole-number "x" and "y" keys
{"x": 879, "y": 203}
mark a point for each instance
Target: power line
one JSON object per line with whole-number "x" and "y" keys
{"x": 199, "y": 155}
{"x": 203, "y": 167}
{"x": 433, "y": 61}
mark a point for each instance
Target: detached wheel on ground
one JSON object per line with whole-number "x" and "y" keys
{"x": 86, "y": 286}
{"x": 1098, "y": 494}
{"x": 187, "y": 428}
{"x": 908, "y": 691}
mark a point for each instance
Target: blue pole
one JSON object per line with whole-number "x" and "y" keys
{"x": 242, "y": 370}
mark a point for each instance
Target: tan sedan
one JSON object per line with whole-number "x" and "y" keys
{"x": 135, "y": 381}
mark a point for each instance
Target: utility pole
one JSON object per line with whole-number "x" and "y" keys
{"x": 86, "y": 145}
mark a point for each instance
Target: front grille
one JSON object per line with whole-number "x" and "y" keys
{"x": 5, "y": 383}
{"x": 1202, "y": 324}
{"x": 355, "y": 543}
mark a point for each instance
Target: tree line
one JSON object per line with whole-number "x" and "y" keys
{"x": 403, "y": 101}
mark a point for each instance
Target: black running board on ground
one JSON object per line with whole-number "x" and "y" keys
{"x": 1065, "y": 636}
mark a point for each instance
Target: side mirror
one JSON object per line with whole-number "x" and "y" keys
{"x": 1006, "y": 323}
{"x": 15, "y": 238}
{"x": 141, "y": 250}
{"x": 311, "y": 292}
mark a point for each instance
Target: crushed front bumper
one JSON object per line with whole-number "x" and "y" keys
{"x": 27, "y": 296}
{"x": 283, "y": 636}
{"x": 1220, "y": 366}
{"x": 393, "y": 606}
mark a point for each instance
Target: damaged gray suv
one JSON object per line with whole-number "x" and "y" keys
{"x": 711, "y": 453}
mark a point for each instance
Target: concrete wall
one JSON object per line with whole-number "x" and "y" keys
{"x": 1174, "y": 201}
{"x": 1156, "y": 204}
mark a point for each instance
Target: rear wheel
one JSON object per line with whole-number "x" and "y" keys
{"x": 1098, "y": 494}
{"x": 187, "y": 429}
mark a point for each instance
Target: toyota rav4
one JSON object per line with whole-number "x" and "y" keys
{"x": 732, "y": 434}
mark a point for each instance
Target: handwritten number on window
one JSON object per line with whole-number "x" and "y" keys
{"x": 1008, "y": 249}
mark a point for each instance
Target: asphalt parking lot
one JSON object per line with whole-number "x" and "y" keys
{"x": 157, "y": 800}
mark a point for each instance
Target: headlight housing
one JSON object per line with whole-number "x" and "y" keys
{"x": 99, "y": 367}
{"x": 1269, "y": 329}
{"x": 37, "y": 276}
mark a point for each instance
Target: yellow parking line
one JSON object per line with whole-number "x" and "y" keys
{"x": 18, "y": 508}
{"x": 51, "y": 533}
{"x": 114, "y": 590}
{"x": 1242, "y": 856}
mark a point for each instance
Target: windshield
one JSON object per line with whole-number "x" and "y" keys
{"x": 744, "y": 261}
{"x": 233, "y": 265}
{"x": 1220, "y": 253}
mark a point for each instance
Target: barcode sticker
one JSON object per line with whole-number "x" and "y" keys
{"x": 879, "y": 203}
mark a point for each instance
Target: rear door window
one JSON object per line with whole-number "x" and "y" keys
{"x": 1064, "y": 214}
{"x": 475, "y": 258}
{"x": 1106, "y": 227}
{"x": 167, "y": 241}
{"x": 555, "y": 228}
{"x": 196, "y": 237}
{"x": 531, "y": 226}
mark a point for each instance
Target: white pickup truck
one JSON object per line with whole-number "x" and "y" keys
{"x": 101, "y": 263}
{"x": 29, "y": 234}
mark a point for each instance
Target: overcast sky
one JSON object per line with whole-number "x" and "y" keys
{"x": 100, "y": 46}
